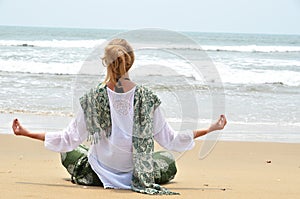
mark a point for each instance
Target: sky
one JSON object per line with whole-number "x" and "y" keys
{"x": 234, "y": 16}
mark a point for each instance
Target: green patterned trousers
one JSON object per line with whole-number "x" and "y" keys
{"x": 76, "y": 163}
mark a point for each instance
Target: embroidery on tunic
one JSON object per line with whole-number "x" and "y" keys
{"x": 122, "y": 107}
{"x": 121, "y": 103}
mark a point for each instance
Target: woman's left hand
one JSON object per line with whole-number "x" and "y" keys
{"x": 18, "y": 129}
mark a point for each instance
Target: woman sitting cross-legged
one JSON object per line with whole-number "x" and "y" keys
{"x": 122, "y": 119}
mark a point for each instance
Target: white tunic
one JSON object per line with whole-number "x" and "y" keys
{"x": 111, "y": 158}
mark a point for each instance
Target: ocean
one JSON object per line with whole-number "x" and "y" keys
{"x": 256, "y": 78}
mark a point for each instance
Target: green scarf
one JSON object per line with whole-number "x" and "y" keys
{"x": 95, "y": 105}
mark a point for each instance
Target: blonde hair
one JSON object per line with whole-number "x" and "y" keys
{"x": 118, "y": 58}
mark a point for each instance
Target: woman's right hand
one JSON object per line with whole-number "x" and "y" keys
{"x": 219, "y": 125}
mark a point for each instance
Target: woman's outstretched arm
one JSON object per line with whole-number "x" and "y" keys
{"x": 20, "y": 131}
{"x": 219, "y": 125}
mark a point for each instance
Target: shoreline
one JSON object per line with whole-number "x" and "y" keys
{"x": 232, "y": 133}
{"x": 231, "y": 170}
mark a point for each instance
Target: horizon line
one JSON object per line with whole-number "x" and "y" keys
{"x": 129, "y": 29}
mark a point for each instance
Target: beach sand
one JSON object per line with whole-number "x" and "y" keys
{"x": 232, "y": 170}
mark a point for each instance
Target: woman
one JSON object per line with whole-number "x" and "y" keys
{"x": 122, "y": 120}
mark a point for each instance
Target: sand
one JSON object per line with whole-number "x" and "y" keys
{"x": 232, "y": 170}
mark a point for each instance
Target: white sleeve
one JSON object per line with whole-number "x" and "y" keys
{"x": 168, "y": 138}
{"x": 69, "y": 138}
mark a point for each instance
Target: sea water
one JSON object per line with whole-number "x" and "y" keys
{"x": 41, "y": 76}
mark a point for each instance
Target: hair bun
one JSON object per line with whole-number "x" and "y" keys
{"x": 118, "y": 58}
